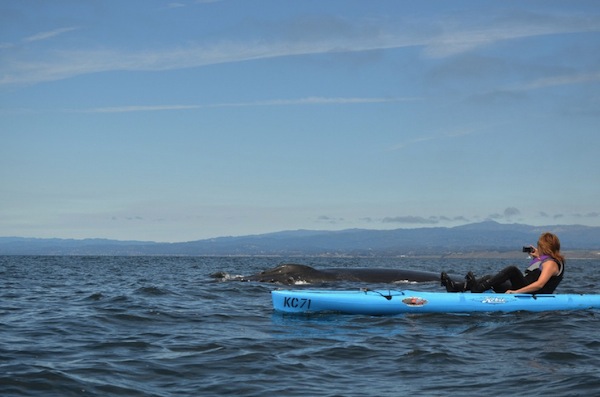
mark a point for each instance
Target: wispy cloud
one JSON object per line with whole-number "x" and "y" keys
{"x": 404, "y": 145}
{"x": 508, "y": 214}
{"x": 458, "y": 133}
{"x": 182, "y": 4}
{"x": 418, "y": 220}
{"x": 176, "y": 5}
{"x": 48, "y": 35}
{"x": 453, "y": 43}
{"x": 275, "y": 102}
{"x": 133, "y": 108}
{"x": 34, "y": 38}
{"x": 565, "y": 79}
{"x": 516, "y": 92}
{"x": 436, "y": 39}
{"x": 329, "y": 219}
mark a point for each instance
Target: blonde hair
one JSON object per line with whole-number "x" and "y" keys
{"x": 549, "y": 244}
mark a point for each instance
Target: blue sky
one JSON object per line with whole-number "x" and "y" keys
{"x": 185, "y": 120}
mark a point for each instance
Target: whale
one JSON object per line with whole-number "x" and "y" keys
{"x": 290, "y": 274}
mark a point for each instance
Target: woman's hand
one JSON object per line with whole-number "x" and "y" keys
{"x": 534, "y": 253}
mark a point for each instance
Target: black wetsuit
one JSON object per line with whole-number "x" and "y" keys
{"x": 519, "y": 280}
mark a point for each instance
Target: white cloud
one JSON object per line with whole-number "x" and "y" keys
{"x": 451, "y": 134}
{"x": 47, "y": 35}
{"x": 410, "y": 220}
{"x": 175, "y": 5}
{"x": 566, "y": 79}
{"x": 411, "y": 142}
{"x": 39, "y": 66}
{"x": 275, "y": 102}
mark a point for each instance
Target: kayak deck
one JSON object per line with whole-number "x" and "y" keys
{"x": 387, "y": 302}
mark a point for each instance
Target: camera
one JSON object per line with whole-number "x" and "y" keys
{"x": 528, "y": 249}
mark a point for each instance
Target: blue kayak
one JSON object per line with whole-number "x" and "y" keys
{"x": 386, "y": 302}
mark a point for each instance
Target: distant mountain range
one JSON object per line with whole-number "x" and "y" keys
{"x": 472, "y": 239}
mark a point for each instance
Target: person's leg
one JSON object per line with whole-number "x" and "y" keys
{"x": 502, "y": 288}
{"x": 451, "y": 286}
{"x": 509, "y": 273}
{"x": 473, "y": 282}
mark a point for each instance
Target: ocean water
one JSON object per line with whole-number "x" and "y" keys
{"x": 162, "y": 326}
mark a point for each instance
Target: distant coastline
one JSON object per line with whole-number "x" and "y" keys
{"x": 478, "y": 240}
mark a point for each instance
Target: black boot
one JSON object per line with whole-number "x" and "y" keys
{"x": 450, "y": 285}
{"x": 476, "y": 285}
{"x": 470, "y": 282}
{"x": 481, "y": 285}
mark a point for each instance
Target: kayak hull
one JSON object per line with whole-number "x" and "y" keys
{"x": 389, "y": 302}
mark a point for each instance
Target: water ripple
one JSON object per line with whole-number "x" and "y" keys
{"x": 110, "y": 326}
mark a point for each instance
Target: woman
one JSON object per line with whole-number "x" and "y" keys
{"x": 541, "y": 277}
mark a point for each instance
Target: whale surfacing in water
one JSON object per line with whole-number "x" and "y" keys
{"x": 297, "y": 274}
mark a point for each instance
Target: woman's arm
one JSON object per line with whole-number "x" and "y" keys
{"x": 549, "y": 269}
